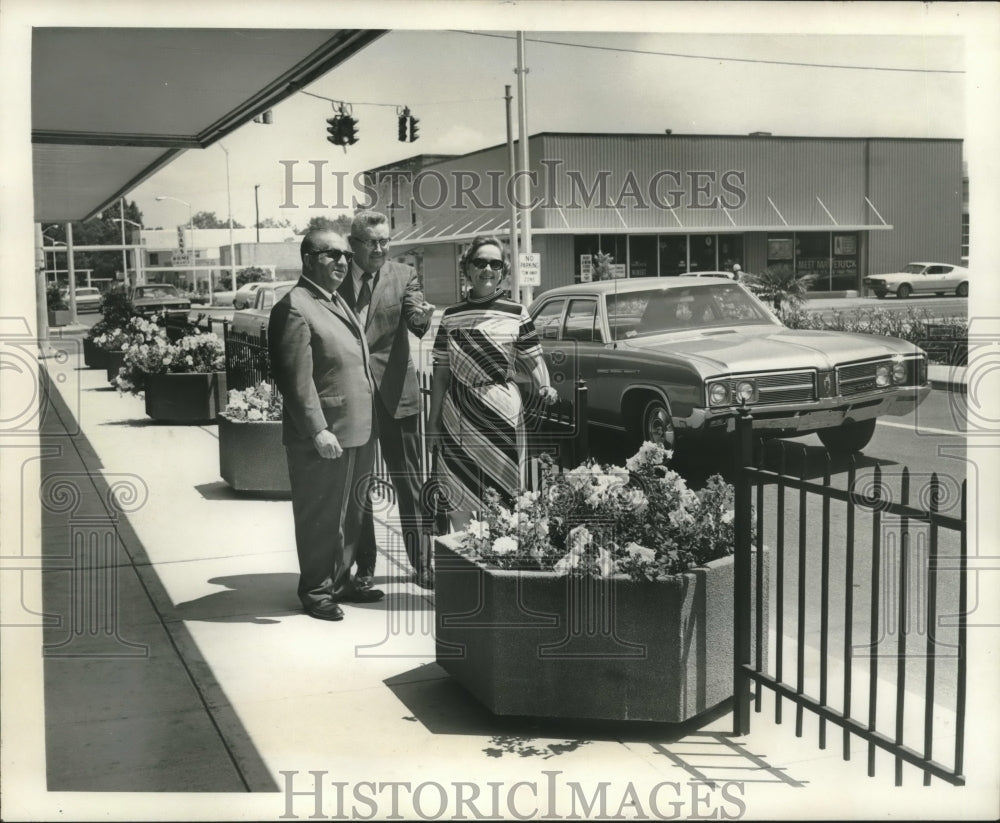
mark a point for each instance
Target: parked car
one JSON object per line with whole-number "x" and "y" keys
{"x": 223, "y": 298}
{"x": 88, "y": 298}
{"x": 672, "y": 360}
{"x": 244, "y": 296}
{"x": 938, "y": 278}
{"x": 756, "y": 290}
{"x": 254, "y": 319}
{"x": 156, "y": 297}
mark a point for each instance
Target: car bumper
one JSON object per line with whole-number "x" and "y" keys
{"x": 823, "y": 414}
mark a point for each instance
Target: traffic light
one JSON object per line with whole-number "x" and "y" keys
{"x": 413, "y": 128}
{"x": 333, "y": 130}
{"x": 402, "y": 128}
{"x": 349, "y": 130}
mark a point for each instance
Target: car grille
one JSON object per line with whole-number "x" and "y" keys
{"x": 788, "y": 387}
{"x": 858, "y": 378}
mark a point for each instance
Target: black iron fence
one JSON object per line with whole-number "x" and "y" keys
{"x": 247, "y": 362}
{"x": 892, "y": 599}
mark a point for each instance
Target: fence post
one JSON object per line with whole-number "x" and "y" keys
{"x": 742, "y": 572}
{"x": 581, "y": 430}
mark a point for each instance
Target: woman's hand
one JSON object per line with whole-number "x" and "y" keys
{"x": 548, "y": 394}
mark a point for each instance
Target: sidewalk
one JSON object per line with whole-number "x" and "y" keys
{"x": 200, "y": 674}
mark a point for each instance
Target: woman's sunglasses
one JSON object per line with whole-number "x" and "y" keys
{"x": 483, "y": 263}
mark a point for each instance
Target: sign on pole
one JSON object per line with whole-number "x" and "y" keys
{"x": 586, "y": 268}
{"x": 529, "y": 268}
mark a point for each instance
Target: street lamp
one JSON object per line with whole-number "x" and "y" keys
{"x": 55, "y": 264}
{"x": 193, "y": 255}
{"x": 123, "y": 221}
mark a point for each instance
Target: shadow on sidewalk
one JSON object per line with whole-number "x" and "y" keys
{"x": 248, "y": 598}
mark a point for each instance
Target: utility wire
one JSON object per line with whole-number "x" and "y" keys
{"x": 709, "y": 57}
{"x": 401, "y": 105}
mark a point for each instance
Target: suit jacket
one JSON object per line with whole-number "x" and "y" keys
{"x": 390, "y": 316}
{"x": 320, "y": 363}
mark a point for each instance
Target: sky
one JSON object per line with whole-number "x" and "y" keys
{"x": 848, "y": 85}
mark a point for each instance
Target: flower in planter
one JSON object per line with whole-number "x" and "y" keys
{"x": 639, "y": 520}
{"x": 150, "y": 351}
{"x": 260, "y": 403}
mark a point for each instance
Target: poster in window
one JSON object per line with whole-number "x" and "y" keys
{"x": 845, "y": 244}
{"x": 779, "y": 248}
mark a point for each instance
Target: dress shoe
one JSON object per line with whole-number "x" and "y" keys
{"x": 424, "y": 579}
{"x": 360, "y": 596}
{"x": 326, "y": 610}
{"x": 364, "y": 581}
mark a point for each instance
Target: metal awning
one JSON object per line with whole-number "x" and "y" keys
{"x": 111, "y": 106}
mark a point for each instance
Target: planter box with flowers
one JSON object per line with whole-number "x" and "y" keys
{"x": 58, "y": 313}
{"x": 607, "y": 594}
{"x": 105, "y": 341}
{"x": 183, "y": 382}
{"x": 251, "y": 455}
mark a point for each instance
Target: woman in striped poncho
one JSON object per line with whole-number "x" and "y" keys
{"x": 476, "y": 419}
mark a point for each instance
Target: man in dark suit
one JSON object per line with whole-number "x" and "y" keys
{"x": 389, "y": 303}
{"x": 321, "y": 365}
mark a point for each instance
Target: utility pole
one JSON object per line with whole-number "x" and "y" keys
{"x": 256, "y": 209}
{"x": 515, "y": 279}
{"x": 229, "y": 206}
{"x": 124, "y": 253}
{"x": 522, "y": 105}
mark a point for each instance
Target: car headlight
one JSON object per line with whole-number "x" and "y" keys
{"x": 882, "y": 375}
{"x": 899, "y": 372}
{"x": 718, "y": 394}
{"x": 744, "y": 391}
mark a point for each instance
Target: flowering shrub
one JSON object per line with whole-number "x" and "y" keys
{"x": 112, "y": 340}
{"x": 910, "y": 325}
{"x": 641, "y": 520}
{"x": 150, "y": 351}
{"x": 259, "y": 403}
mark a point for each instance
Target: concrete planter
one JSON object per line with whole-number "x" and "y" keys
{"x": 538, "y": 644}
{"x": 94, "y": 357}
{"x": 113, "y": 360}
{"x": 185, "y": 398}
{"x": 252, "y": 458}
{"x": 59, "y": 317}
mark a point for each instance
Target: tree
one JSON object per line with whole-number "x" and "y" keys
{"x": 271, "y": 223}
{"x": 251, "y": 274}
{"x": 781, "y": 286}
{"x": 341, "y": 224}
{"x": 209, "y": 220}
{"x": 98, "y": 231}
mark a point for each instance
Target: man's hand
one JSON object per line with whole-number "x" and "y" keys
{"x": 327, "y": 445}
{"x": 423, "y": 312}
{"x": 548, "y": 394}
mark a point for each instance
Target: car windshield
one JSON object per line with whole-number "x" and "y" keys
{"x": 701, "y": 306}
{"x": 913, "y": 268}
{"x": 156, "y": 291}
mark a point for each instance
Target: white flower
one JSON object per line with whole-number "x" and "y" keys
{"x": 650, "y": 454}
{"x": 578, "y": 539}
{"x": 605, "y": 563}
{"x": 567, "y": 563}
{"x": 254, "y": 414}
{"x": 505, "y": 545}
{"x": 640, "y": 553}
{"x": 478, "y": 528}
{"x": 727, "y": 516}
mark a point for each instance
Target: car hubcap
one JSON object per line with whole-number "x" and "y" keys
{"x": 659, "y": 427}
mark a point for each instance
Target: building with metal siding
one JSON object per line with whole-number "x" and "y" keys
{"x": 664, "y": 204}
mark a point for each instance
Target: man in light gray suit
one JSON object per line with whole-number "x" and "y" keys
{"x": 321, "y": 365}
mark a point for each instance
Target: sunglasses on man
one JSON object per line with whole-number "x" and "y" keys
{"x": 333, "y": 254}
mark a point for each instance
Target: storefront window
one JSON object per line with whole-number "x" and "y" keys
{"x": 845, "y": 262}
{"x": 730, "y": 251}
{"x": 812, "y": 256}
{"x": 780, "y": 253}
{"x": 642, "y": 256}
{"x": 703, "y": 253}
{"x": 673, "y": 254}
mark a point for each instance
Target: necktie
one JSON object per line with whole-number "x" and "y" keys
{"x": 364, "y": 298}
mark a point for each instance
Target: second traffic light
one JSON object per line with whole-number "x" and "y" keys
{"x": 342, "y": 130}
{"x": 407, "y": 126}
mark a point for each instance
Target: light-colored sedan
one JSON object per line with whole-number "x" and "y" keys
{"x": 927, "y": 278}
{"x": 244, "y": 297}
{"x": 88, "y": 298}
{"x": 253, "y": 320}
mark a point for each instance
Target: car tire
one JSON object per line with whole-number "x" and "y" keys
{"x": 904, "y": 291}
{"x": 962, "y": 290}
{"x": 656, "y": 424}
{"x": 848, "y": 438}
{"x": 880, "y": 295}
